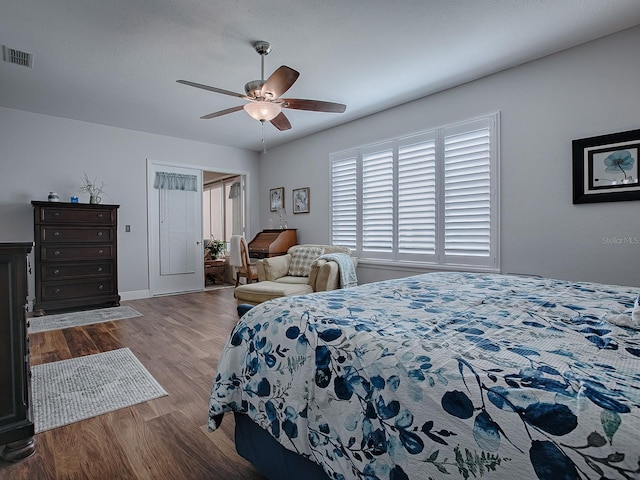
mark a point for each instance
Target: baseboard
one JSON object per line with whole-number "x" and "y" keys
{"x": 135, "y": 295}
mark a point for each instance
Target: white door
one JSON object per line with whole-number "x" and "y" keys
{"x": 175, "y": 229}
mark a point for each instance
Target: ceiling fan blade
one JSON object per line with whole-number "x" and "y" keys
{"x": 222, "y": 112}
{"x": 281, "y": 122}
{"x": 279, "y": 82}
{"x": 313, "y": 105}
{"x": 211, "y": 89}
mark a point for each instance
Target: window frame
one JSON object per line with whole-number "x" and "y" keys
{"x": 408, "y": 260}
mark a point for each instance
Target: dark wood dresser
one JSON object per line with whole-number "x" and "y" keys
{"x": 75, "y": 256}
{"x": 271, "y": 243}
{"x": 16, "y": 423}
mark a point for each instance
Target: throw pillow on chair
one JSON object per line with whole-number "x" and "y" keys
{"x": 301, "y": 260}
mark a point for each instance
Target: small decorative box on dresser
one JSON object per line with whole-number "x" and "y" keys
{"x": 75, "y": 255}
{"x": 16, "y": 425}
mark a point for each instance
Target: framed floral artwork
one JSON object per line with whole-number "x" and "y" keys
{"x": 301, "y": 200}
{"x": 605, "y": 168}
{"x": 276, "y": 198}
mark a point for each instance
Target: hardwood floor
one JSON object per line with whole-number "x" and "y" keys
{"x": 178, "y": 339}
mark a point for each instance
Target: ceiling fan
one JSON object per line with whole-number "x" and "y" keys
{"x": 263, "y": 95}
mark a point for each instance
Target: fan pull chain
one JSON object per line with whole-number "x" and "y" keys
{"x": 264, "y": 144}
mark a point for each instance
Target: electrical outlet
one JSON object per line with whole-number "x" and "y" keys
{"x": 127, "y": 228}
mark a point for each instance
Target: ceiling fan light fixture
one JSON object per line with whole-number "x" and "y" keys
{"x": 262, "y": 111}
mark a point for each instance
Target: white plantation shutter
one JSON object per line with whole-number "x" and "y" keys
{"x": 417, "y": 195}
{"x": 430, "y": 198}
{"x": 377, "y": 199}
{"x": 467, "y": 192}
{"x": 344, "y": 201}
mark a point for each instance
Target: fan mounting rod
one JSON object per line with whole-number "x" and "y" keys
{"x": 263, "y": 49}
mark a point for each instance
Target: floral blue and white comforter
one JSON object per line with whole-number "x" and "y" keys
{"x": 443, "y": 375}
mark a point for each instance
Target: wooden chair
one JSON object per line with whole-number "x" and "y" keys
{"x": 247, "y": 270}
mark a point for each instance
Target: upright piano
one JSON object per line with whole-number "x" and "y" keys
{"x": 271, "y": 243}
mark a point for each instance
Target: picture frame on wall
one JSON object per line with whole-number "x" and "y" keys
{"x": 276, "y": 198}
{"x": 606, "y": 169}
{"x": 301, "y": 200}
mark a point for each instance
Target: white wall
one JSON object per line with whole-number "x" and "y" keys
{"x": 40, "y": 153}
{"x": 589, "y": 90}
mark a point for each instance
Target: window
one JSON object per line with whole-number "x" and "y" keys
{"x": 425, "y": 198}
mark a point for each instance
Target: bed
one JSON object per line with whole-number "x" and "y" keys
{"x": 439, "y": 375}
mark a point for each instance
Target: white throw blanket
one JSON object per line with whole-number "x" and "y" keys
{"x": 235, "y": 259}
{"x": 347, "y": 271}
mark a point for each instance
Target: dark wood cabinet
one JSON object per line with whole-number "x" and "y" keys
{"x": 16, "y": 423}
{"x": 272, "y": 242}
{"x": 75, "y": 255}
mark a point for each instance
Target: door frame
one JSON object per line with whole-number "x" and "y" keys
{"x": 151, "y": 223}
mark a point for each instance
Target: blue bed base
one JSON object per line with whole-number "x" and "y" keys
{"x": 269, "y": 457}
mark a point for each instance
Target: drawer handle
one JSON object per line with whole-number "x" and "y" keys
{"x": 100, "y": 251}
{"x": 100, "y": 287}
{"x": 56, "y": 214}
{"x": 56, "y": 234}
{"x": 99, "y": 215}
{"x": 57, "y": 290}
{"x": 99, "y": 269}
{"x": 56, "y": 271}
{"x": 99, "y": 234}
{"x": 57, "y": 252}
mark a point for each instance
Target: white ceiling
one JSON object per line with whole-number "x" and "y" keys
{"x": 116, "y": 62}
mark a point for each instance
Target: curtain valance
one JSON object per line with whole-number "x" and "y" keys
{"x": 175, "y": 181}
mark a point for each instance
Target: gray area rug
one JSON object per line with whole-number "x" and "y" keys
{"x": 72, "y": 390}
{"x": 75, "y": 319}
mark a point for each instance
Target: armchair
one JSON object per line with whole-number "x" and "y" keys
{"x": 298, "y": 272}
{"x": 323, "y": 275}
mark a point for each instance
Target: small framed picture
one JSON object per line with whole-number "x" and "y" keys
{"x": 605, "y": 168}
{"x": 276, "y": 196}
{"x": 301, "y": 200}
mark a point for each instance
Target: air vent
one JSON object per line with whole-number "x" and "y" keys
{"x": 17, "y": 57}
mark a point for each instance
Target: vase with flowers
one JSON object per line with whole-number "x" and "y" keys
{"x": 214, "y": 248}
{"x": 91, "y": 187}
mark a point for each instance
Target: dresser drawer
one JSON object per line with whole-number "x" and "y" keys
{"x": 51, "y": 234}
{"x": 61, "y": 271}
{"x": 81, "y": 252}
{"x": 77, "y": 215}
{"x": 53, "y": 291}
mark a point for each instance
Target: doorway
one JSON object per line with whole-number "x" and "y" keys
{"x": 223, "y": 216}
{"x": 223, "y": 206}
{"x": 176, "y": 222}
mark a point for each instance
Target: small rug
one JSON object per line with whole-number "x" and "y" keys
{"x": 76, "y": 319}
{"x": 72, "y": 390}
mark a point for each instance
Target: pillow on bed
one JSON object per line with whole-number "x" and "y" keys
{"x": 301, "y": 260}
